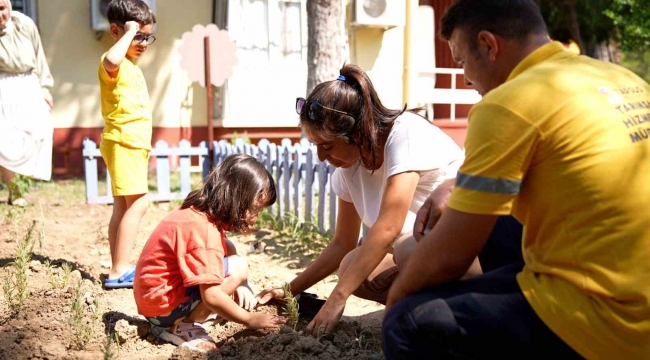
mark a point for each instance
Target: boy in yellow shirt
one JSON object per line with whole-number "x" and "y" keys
{"x": 126, "y": 139}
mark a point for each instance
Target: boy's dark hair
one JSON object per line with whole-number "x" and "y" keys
{"x": 121, "y": 11}
{"x": 510, "y": 19}
{"x": 357, "y": 96}
{"x": 236, "y": 187}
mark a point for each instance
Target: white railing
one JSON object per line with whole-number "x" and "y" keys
{"x": 429, "y": 95}
{"x": 302, "y": 182}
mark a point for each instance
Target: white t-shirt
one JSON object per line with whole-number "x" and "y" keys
{"x": 413, "y": 144}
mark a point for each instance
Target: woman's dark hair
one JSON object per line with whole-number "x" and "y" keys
{"x": 510, "y": 19}
{"x": 236, "y": 187}
{"x": 355, "y": 95}
{"x": 121, "y": 11}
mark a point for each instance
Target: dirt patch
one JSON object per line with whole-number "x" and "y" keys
{"x": 68, "y": 315}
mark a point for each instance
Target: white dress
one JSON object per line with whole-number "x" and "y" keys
{"x": 25, "y": 127}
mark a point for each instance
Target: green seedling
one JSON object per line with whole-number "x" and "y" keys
{"x": 20, "y": 184}
{"x": 290, "y": 311}
{"x": 55, "y": 280}
{"x": 111, "y": 346}
{"x": 82, "y": 319}
{"x": 367, "y": 340}
{"x": 41, "y": 233}
{"x": 16, "y": 286}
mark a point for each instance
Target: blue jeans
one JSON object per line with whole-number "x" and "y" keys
{"x": 486, "y": 316}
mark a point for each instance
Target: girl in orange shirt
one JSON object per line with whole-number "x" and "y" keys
{"x": 188, "y": 271}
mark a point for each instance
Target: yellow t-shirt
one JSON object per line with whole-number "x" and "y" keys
{"x": 125, "y": 106}
{"x": 564, "y": 145}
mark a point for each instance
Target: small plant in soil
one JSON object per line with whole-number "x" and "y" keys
{"x": 290, "y": 310}
{"x": 58, "y": 281}
{"x": 111, "y": 346}
{"x": 41, "y": 232}
{"x": 82, "y": 325}
{"x": 20, "y": 184}
{"x": 366, "y": 340}
{"x": 14, "y": 216}
{"x": 16, "y": 286}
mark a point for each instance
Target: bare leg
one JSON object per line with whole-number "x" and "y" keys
{"x": 200, "y": 315}
{"x": 136, "y": 207}
{"x": 377, "y": 285}
{"x": 385, "y": 271}
{"x": 403, "y": 248}
{"x": 119, "y": 208}
{"x": 238, "y": 275}
{"x": 7, "y": 177}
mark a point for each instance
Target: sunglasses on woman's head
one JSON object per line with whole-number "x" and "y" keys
{"x": 315, "y": 110}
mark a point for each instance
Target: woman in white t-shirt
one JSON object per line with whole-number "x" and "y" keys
{"x": 388, "y": 162}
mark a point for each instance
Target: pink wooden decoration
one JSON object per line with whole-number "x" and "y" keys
{"x": 223, "y": 54}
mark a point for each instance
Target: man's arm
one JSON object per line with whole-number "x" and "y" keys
{"x": 432, "y": 209}
{"x": 444, "y": 254}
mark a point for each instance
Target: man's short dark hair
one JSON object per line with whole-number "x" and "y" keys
{"x": 510, "y": 19}
{"x": 121, "y": 11}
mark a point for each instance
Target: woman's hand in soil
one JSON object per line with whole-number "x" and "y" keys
{"x": 245, "y": 298}
{"x": 263, "y": 321}
{"x": 269, "y": 294}
{"x": 327, "y": 318}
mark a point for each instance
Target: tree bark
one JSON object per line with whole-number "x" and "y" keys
{"x": 571, "y": 19}
{"x": 605, "y": 51}
{"x": 325, "y": 42}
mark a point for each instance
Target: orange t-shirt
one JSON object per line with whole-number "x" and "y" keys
{"x": 186, "y": 249}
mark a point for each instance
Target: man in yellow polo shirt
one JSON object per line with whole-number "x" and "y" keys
{"x": 562, "y": 142}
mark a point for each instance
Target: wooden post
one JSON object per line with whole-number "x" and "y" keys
{"x": 208, "y": 86}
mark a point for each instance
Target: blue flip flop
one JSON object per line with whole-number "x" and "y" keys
{"x": 123, "y": 282}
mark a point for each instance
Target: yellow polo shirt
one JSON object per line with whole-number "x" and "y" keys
{"x": 125, "y": 106}
{"x": 564, "y": 145}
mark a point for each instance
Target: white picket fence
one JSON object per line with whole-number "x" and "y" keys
{"x": 302, "y": 182}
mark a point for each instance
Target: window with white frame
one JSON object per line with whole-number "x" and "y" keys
{"x": 271, "y": 38}
{"x": 27, "y": 7}
{"x": 291, "y": 28}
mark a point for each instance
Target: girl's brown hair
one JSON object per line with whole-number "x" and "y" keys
{"x": 357, "y": 96}
{"x": 237, "y": 187}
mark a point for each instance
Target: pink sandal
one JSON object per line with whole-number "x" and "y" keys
{"x": 213, "y": 320}
{"x": 188, "y": 335}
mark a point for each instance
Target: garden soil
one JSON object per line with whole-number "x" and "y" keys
{"x": 66, "y": 230}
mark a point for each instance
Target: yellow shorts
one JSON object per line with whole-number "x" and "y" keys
{"x": 127, "y": 166}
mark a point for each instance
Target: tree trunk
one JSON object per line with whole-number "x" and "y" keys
{"x": 571, "y": 19}
{"x": 325, "y": 42}
{"x": 604, "y": 51}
